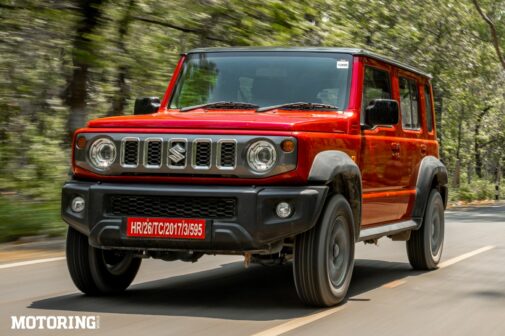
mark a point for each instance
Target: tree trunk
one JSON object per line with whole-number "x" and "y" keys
{"x": 476, "y": 142}
{"x": 457, "y": 170}
{"x": 82, "y": 58}
{"x": 123, "y": 88}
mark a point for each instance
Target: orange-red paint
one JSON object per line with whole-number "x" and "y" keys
{"x": 388, "y": 157}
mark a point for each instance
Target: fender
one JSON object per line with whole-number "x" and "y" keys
{"x": 337, "y": 169}
{"x": 432, "y": 173}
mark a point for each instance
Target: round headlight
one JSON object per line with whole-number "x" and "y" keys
{"x": 261, "y": 156}
{"x": 102, "y": 153}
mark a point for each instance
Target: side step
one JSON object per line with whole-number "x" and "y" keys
{"x": 386, "y": 230}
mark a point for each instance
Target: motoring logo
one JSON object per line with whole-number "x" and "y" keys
{"x": 177, "y": 154}
{"x": 30, "y": 322}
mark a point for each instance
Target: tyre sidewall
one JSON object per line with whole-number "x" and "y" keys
{"x": 106, "y": 281}
{"x": 435, "y": 203}
{"x": 337, "y": 206}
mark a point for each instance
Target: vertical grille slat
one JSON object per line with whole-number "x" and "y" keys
{"x": 130, "y": 152}
{"x": 153, "y": 150}
{"x": 227, "y": 154}
{"x": 202, "y": 153}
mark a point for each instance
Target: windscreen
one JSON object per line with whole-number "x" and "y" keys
{"x": 264, "y": 78}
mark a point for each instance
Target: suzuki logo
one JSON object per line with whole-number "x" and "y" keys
{"x": 177, "y": 153}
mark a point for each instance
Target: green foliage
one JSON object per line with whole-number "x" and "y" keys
{"x": 135, "y": 45}
{"x": 476, "y": 191}
{"x": 19, "y": 218}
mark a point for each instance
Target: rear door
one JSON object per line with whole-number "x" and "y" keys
{"x": 412, "y": 129}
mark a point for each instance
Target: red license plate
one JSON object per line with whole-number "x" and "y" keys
{"x": 177, "y": 228}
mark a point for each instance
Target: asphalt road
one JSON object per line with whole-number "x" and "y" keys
{"x": 218, "y": 296}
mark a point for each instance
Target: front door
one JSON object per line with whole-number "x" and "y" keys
{"x": 383, "y": 159}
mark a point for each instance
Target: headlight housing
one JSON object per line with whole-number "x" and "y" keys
{"x": 261, "y": 156}
{"x": 102, "y": 153}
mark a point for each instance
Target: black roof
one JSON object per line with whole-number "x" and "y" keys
{"x": 352, "y": 51}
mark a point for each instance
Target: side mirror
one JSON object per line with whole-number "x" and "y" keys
{"x": 146, "y": 105}
{"x": 383, "y": 112}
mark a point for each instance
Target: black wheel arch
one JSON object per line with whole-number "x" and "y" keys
{"x": 337, "y": 170}
{"x": 432, "y": 174}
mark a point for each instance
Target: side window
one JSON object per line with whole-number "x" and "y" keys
{"x": 409, "y": 103}
{"x": 376, "y": 85}
{"x": 429, "y": 112}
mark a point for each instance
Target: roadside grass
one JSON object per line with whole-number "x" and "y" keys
{"x": 22, "y": 218}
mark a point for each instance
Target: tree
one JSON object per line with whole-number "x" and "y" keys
{"x": 83, "y": 57}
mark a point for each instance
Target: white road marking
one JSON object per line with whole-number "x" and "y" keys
{"x": 30, "y": 262}
{"x": 462, "y": 257}
{"x": 298, "y": 322}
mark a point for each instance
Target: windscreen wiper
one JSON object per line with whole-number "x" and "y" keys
{"x": 221, "y": 104}
{"x": 299, "y": 106}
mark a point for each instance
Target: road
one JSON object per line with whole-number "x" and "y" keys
{"x": 218, "y": 296}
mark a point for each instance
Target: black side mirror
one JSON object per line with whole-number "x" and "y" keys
{"x": 146, "y": 105}
{"x": 383, "y": 112}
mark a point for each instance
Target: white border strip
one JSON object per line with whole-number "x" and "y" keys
{"x": 30, "y": 262}
{"x": 465, "y": 256}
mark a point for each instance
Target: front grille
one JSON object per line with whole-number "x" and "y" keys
{"x": 170, "y": 206}
{"x": 178, "y": 153}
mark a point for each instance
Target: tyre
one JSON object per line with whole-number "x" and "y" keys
{"x": 424, "y": 248}
{"x": 324, "y": 256}
{"x": 96, "y": 271}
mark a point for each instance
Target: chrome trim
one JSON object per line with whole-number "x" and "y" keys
{"x": 193, "y": 153}
{"x": 123, "y": 149}
{"x": 186, "y": 149}
{"x": 219, "y": 144}
{"x": 146, "y": 144}
{"x": 386, "y": 230}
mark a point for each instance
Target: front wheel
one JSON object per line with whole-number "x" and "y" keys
{"x": 424, "y": 248}
{"x": 324, "y": 256}
{"x": 95, "y": 271}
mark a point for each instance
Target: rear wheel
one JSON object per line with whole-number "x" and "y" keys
{"x": 424, "y": 248}
{"x": 324, "y": 256}
{"x": 96, "y": 271}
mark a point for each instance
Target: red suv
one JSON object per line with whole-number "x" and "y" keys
{"x": 277, "y": 154}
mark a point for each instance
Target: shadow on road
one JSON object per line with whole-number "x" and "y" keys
{"x": 230, "y": 292}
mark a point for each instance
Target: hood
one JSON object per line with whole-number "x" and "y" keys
{"x": 276, "y": 120}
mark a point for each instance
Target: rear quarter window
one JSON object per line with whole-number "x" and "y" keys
{"x": 429, "y": 112}
{"x": 409, "y": 104}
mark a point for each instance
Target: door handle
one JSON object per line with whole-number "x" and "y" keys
{"x": 423, "y": 149}
{"x": 395, "y": 148}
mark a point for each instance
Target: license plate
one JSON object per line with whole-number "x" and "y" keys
{"x": 176, "y": 228}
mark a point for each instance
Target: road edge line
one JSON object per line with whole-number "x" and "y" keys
{"x": 30, "y": 262}
{"x": 465, "y": 256}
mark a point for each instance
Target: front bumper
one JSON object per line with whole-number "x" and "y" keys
{"x": 254, "y": 227}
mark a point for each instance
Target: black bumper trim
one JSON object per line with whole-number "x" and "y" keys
{"x": 255, "y": 228}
